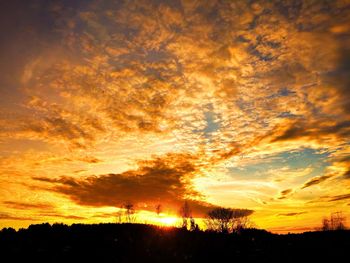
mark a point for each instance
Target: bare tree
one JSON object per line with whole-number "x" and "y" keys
{"x": 220, "y": 219}
{"x": 227, "y": 220}
{"x": 242, "y": 221}
{"x": 325, "y": 224}
{"x": 186, "y": 214}
{"x": 336, "y": 222}
{"x": 158, "y": 209}
{"x": 129, "y": 212}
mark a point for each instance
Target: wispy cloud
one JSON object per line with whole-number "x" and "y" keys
{"x": 285, "y": 193}
{"x": 339, "y": 197}
{"x": 316, "y": 180}
{"x": 292, "y": 214}
{"x": 24, "y": 206}
{"x": 6, "y": 216}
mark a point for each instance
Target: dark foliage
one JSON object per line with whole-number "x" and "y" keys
{"x": 144, "y": 243}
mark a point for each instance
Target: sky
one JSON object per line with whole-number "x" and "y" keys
{"x": 239, "y": 104}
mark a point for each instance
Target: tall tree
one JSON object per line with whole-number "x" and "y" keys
{"x": 186, "y": 214}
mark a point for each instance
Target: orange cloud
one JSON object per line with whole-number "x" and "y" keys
{"x": 164, "y": 180}
{"x": 19, "y": 205}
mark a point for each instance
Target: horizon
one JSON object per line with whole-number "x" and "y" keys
{"x": 242, "y": 105}
{"x": 166, "y": 226}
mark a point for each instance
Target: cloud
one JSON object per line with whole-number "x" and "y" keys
{"x": 347, "y": 174}
{"x": 316, "y": 180}
{"x": 58, "y": 215}
{"x": 331, "y": 198}
{"x": 285, "y": 193}
{"x": 292, "y": 214}
{"x": 89, "y": 159}
{"x": 341, "y": 163}
{"x": 339, "y": 197}
{"x": 339, "y": 78}
{"x": 130, "y": 72}
{"x": 164, "y": 180}
{"x": 28, "y": 206}
{"x": 6, "y": 216}
{"x": 52, "y": 123}
{"x": 320, "y": 131}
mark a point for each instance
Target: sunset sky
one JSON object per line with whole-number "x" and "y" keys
{"x": 241, "y": 104}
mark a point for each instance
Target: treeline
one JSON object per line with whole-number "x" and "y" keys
{"x": 218, "y": 219}
{"x": 145, "y": 243}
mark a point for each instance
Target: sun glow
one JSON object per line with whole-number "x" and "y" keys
{"x": 168, "y": 221}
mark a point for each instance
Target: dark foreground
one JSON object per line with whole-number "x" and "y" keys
{"x": 143, "y": 243}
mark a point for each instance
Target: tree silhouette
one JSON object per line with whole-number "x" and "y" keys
{"x": 158, "y": 209}
{"x": 335, "y": 222}
{"x": 129, "y": 212}
{"x": 185, "y": 213}
{"x": 227, "y": 220}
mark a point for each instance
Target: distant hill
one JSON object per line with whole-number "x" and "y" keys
{"x": 146, "y": 243}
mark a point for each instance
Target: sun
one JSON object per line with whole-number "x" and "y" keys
{"x": 168, "y": 221}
